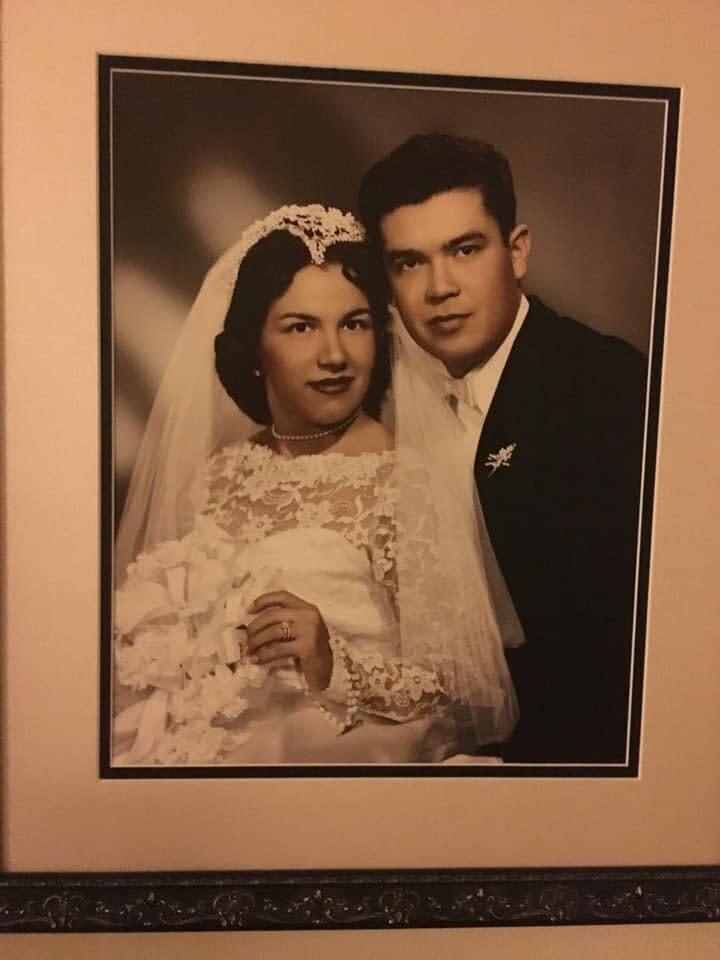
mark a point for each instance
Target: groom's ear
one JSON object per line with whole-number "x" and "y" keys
{"x": 519, "y": 247}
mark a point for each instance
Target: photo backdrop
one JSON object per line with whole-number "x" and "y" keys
{"x": 196, "y": 158}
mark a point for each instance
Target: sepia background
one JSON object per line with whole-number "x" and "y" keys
{"x": 55, "y": 813}
{"x": 198, "y": 158}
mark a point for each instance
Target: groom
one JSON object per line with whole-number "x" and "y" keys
{"x": 558, "y": 412}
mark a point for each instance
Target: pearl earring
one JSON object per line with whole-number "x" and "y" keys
{"x": 256, "y": 372}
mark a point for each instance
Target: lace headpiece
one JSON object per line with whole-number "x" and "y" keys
{"x": 317, "y": 226}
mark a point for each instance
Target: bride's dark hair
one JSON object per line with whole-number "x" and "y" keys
{"x": 265, "y": 273}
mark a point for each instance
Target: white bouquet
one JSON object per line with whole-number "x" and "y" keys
{"x": 179, "y": 641}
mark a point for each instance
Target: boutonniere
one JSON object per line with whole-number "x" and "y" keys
{"x": 500, "y": 459}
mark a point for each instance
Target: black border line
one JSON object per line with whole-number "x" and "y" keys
{"x": 262, "y": 71}
{"x": 106, "y": 405}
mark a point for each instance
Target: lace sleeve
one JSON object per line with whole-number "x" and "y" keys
{"x": 413, "y": 684}
{"x": 449, "y": 658}
{"x": 387, "y": 686}
{"x": 215, "y": 491}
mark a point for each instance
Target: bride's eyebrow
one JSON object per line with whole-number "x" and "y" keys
{"x": 293, "y": 315}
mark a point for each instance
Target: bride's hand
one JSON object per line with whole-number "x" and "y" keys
{"x": 286, "y": 626}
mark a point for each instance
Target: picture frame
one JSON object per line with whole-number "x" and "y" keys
{"x": 356, "y": 900}
{"x": 84, "y": 901}
{"x": 626, "y": 135}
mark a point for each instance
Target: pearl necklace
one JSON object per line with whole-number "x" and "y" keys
{"x": 336, "y": 428}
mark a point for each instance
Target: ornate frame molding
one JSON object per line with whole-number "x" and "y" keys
{"x": 355, "y": 899}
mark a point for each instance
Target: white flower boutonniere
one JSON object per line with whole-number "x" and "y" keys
{"x": 501, "y": 458}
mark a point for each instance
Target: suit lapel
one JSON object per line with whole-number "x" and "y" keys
{"x": 514, "y": 415}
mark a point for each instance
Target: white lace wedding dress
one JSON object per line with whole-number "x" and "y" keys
{"x": 324, "y": 527}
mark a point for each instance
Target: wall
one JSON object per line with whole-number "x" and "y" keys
{"x": 644, "y": 41}
{"x": 700, "y": 942}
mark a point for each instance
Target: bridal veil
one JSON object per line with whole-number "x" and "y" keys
{"x": 454, "y": 609}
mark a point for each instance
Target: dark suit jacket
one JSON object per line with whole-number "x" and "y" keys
{"x": 563, "y": 520}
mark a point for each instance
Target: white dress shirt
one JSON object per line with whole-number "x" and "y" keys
{"x": 471, "y": 395}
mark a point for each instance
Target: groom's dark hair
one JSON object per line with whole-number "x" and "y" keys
{"x": 428, "y": 164}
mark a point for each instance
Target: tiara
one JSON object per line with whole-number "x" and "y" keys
{"x": 317, "y": 226}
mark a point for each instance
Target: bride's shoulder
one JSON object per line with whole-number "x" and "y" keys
{"x": 409, "y": 468}
{"x": 237, "y": 458}
{"x": 382, "y": 438}
{"x": 370, "y": 436}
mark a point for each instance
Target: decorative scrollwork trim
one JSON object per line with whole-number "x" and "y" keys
{"x": 360, "y": 899}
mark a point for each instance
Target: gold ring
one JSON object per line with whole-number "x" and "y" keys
{"x": 285, "y": 627}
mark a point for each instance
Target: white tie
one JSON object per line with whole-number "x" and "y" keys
{"x": 459, "y": 397}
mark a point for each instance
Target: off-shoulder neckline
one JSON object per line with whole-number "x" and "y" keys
{"x": 255, "y": 447}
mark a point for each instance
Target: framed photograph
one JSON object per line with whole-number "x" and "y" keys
{"x": 184, "y": 811}
{"x": 612, "y": 162}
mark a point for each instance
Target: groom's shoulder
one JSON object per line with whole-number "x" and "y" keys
{"x": 574, "y": 347}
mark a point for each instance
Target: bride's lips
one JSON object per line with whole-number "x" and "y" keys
{"x": 332, "y": 385}
{"x": 447, "y": 322}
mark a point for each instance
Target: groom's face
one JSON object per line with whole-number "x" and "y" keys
{"x": 453, "y": 276}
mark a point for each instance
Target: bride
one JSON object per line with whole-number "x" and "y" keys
{"x": 305, "y": 588}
